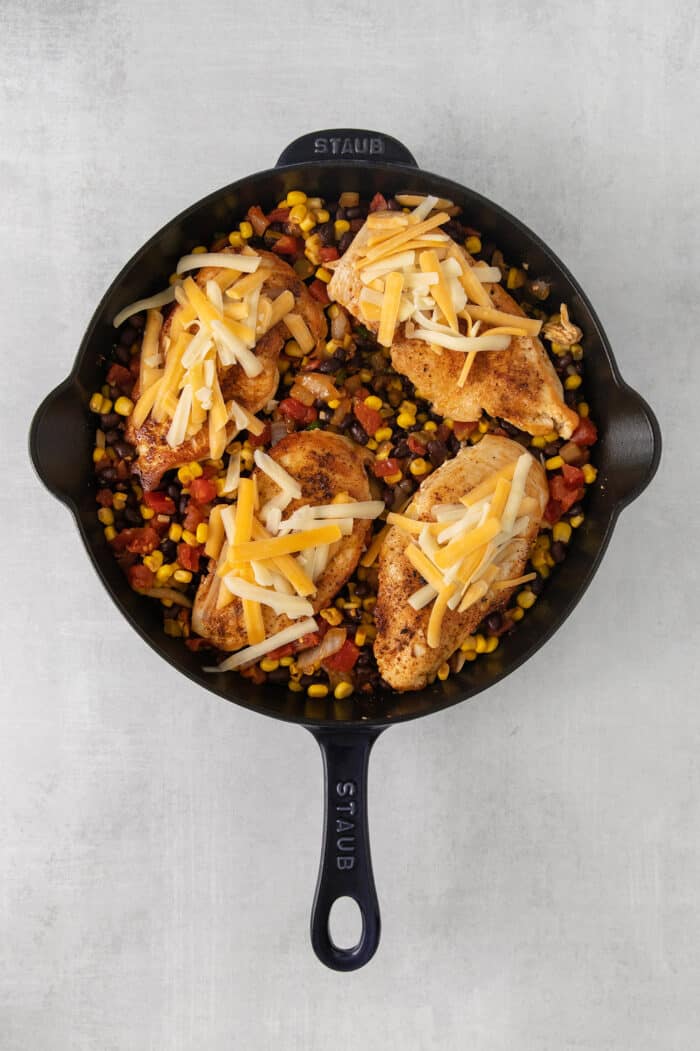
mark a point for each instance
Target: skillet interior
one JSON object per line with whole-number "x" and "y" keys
{"x": 626, "y": 455}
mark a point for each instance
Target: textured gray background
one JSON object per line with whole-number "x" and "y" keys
{"x": 537, "y": 851}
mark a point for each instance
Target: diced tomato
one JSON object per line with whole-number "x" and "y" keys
{"x": 319, "y": 291}
{"x": 370, "y": 419}
{"x": 257, "y": 440}
{"x": 462, "y": 430}
{"x": 415, "y": 445}
{"x": 197, "y": 644}
{"x": 573, "y": 476}
{"x": 159, "y": 502}
{"x": 202, "y": 490}
{"x": 195, "y": 515}
{"x": 344, "y": 659}
{"x": 104, "y": 497}
{"x": 140, "y": 577}
{"x": 287, "y": 245}
{"x": 118, "y": 376}
{"x": 139, "y": 541}
{"x": 282, "y": 651}
{"x": 553, "y": 511}
{"x": 382, "y": 468}
{"x": 188, "y": 557}
{"x": 327, "y": 255}
{"x": 295, "y": 410}
{"x": 561, "y": 494}
{"x": 278, "y": 215}
{"x": 378, "y": 203}
{"x": 586, "y": 433}
{"x": 257, "y": 220}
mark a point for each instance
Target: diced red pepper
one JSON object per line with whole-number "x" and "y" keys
{"x": 287, "y": 245}
{"x": 378, "y": 203}
{"x": 382, "y": 468}
{"x": 344, "y": 659}
{"x": 370, "y": 419}
{"x": 416, "y": 445}
{"x": 257, "y": 220}
{"x": 573, "y": 476}
{"x": 159, "y": 502}
{"x": 256, "y": 440}
{"x": 462, "y": 430}
{"x": 296, "y": 410}
{"x": 189, "y": 557}
{"x": 139, "y": 540}
{"x": 202, "y": 490}
{"x": 586, "y": 433}
{"x": 278, "y": 215}
{"x": 104, "y": 497}
{"x": 319, "y": 291}
{"x": 140, "y": 577}
{"x": 327, "y": 255}
{"x": 194, "y": 516}
{"x": 118, "y": 376}
{"x": 282, "y": 651}
{"x": 553, "y": 511}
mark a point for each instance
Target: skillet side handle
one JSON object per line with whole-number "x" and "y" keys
{"x": 346, "y": 865}
{"x": 346, "y": 144}
{"x": 636, "y": 436}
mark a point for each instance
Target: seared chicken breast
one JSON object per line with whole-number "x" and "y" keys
{"x": 155, "y": 456}
{"x": 518, "y": 384}
{"x": 325, "y": 465}
{"x": 403, "y": 655}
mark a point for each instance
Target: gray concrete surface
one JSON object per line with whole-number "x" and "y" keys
{"x": 537, "y": 851}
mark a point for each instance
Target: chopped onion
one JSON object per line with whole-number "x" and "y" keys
{"x": 247, "y": 264}
{"x": 487, "y": 274}
{"x": 331, "y": 642}
{"x": 161, "y": 299}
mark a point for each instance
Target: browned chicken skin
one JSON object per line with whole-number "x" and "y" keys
{"x": 155, "y": 456}
{"x": 403, "y": 656}
{"x": 324, "y": 465}
{"x": 518, "y": 384}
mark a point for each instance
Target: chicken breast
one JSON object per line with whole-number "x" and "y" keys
{"x": 518, "y": 384}
{"x": 325, "y": 465}
{"x": 155, "y": 456}
{"x": 403, "y": 656}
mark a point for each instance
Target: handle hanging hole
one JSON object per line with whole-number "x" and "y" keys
{"x": 345, "y": 923}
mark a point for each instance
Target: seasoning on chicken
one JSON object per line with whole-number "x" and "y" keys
{"x": 481, "y": 513}
{"x": 325, "y": 468}
{"x": 507, "y": 373}
{"x": 246, "y": 377}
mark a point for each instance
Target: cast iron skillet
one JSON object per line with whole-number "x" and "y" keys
{"x": 627, "y": 455}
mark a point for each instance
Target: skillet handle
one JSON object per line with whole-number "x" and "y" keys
{"x": 346, "y": 144}
{"x": 346, "y": 865}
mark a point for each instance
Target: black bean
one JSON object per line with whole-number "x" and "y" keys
{"x": 124, "y": 450}
{"x": 401, "y": 450}
{"x": 340, "y": 213}
{"x": 536, "y": 586}
{"x": 494, "y": 622}
{"x": 453, "y": 444}
{"x": 128, "y": 336}
{"x": 355, "y": 213}
{"x": 455, "y": 230}
{"x": 345, "y": 241}
{"x": 564, "y": 361}
{"x": 558, "y": 551}
{"x": 112, "y": 436}
{"x": 326, "y": 232}
{"x": 169, "y": 550}
{"x": 122, "y": 355}
{"x": 339, "y": 355}
{"x": 138, "y": 321}
{"x": 109, "y": 420}
{"x": 133, "y": 517}
{"x": 514, "y": 432}
{"x": 362, "y": 589}
{"x": 183, "y": 504}
{"x": 393, "y": 205}
{"x": 575, "y": 509}
{"x": 173, "y": 491}
{"x": 107, "y": 474}
{"x": 358, "y": 433}
{"x": 328, "y": 365}
{"x": 551, "y": 449}
{"x": 437, "y": 452}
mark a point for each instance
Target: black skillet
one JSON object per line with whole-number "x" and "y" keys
{"x": 61, "y": 440}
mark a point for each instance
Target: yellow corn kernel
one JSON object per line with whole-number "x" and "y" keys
{"x": 153, "y": 561}
{"x": 430, "y": 425}
{"x": 342, "y": 690}
{"x": 296, "y": 197}
{"x": 576, "y": 351}
{"x": 471, "y": 655}
{"x": 491, "y": 643}
{"x": 333, "y": 403}
{"x": 105, "y": 390}
{"x": 247, "y": 459}
{"x": 297, "y": 213}
{"x": 96, "y": 402}
{"x": 443, "y": 671}
{"x": 322, "y": 215}
{"x": 562, "y": 532}
{"x": 286, "y": 662}
{"x": 164, "y": 573}
{"x": 98, "y": 454}
{"x": 393, "y": 479}
{"x": 360, "y": 636}
{"x": 189, "y": 538}
{"x": 480, "y": 644}
{"x": 475, "y": 438}
{"x": 589, "y": 473}
{"x": 554, "y": 463}
{"x": 404, "y": 420}
{"x": 294, "y": 670}
{"x": 419, "y": 466}
{"x": 183, "y": 576}
{"x": 307, "y": 223}
{"x": 341, "y": 226}
{"x": 110, "y": 532}
{"x": 559, "y": 348}
{"x": 517, "y": 614}
{"x": 576, "y": 521}
{"x": 332, "y": 616}
{"x": 324, "y": 275}
{"x": 473, "y": 244}
{"x": 235, "y": 239}
{"x": 202, "y": 533}
{"x": 526, "y": 598}
{"x": 382, "y": 435}
{"x": 195, "y": 469}
{"x": 295, "y": 687}
{"x": 146, "y": 512}
{"x": 119, "y": 501}
{"x": 449, "y": 423}
{"x": 172, "y": 628}
{"x": 373, "y": 402}
{"x": 582, "y": 409}
{"x": 246, "y": 230}
{"x": 175, "y": 532}
{"x": 516, "y": 278}
{"x": 100, "y": 438}
{"x": 184, "y": 476}
{"x": 538, "y": 442}
{"x": 317, "y": 689}
{"x": 199, "y": 250}
{"x": 409, "y": 407}
{"x": 124, "y": 406}
{"x": 366, "y": 375}
{"x": 138, "y": 491}
{"x": 371, "y": 444}
{"x": 468, "y": 644}
{"x": 573, "y": 382}
{"x": 106, "y": 515}
{"x": 484, "y": 426}
{"x": 292, "y": 349}
{"x": 269, "y": 664}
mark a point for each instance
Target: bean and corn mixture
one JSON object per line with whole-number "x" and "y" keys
{"x": 159, "y": 537}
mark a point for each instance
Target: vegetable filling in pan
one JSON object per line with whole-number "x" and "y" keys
{"x": 346, "y": 447}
